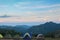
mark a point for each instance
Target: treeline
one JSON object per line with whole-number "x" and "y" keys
{"x": 55, "y": 34}
{"x": 7, "y": 32}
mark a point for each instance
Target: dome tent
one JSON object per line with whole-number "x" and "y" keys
{"x": 27, "y": 36}
{"x": 1, "y": 36}
{"x": 40, "y": 37}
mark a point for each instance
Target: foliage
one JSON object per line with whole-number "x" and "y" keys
{"x": 7, "y": 31}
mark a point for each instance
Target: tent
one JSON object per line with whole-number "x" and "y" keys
{"x": 1, "y": 36}
{"x": 27, "y": 36}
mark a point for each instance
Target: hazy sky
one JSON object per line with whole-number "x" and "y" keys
{"x": 29, "y": 10}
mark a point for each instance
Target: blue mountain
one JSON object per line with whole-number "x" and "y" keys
{"x": 44, "y": 28}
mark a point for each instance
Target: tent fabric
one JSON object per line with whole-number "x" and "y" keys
{"x": 27, "y": 34}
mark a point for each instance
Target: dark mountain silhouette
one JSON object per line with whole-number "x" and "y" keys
{"x": 44, "y": 28}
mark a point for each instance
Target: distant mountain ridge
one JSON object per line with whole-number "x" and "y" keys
{"x": 21, "y": 28}
{"x": 20, "y": 23}
{"x": 18, "y": 28}
{"x": 44, "y": 28}
{"x": 37, "y": 29}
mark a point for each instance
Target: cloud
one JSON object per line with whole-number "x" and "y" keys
{"x": 30, "y": 12}
{"x": 29, "y": 19}
{"x": 30, "y": 5}
{"x": 7, "y": 16}
{"x": 24, "y": 19}
{"x": 3, "y": 6}
{"x": 48, "y": 6}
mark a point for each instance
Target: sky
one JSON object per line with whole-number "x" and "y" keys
{"x": 29, "y": 10}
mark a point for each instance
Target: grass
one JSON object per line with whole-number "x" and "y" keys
{"x": 48, "y": 39}
{"x": 52, "y": 38}
{"x": 35, "y": 39}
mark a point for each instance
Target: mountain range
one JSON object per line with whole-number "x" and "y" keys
{"x": 37, "y": 29}
{"x": 48, "y": 27}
